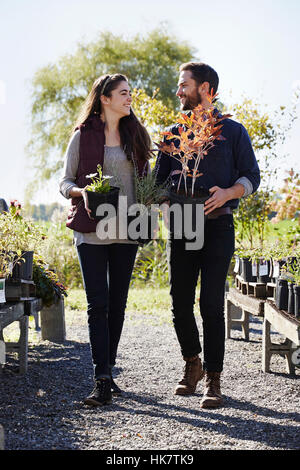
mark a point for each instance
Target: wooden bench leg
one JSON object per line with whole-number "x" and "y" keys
{"x": 233, "y": 316}
{"x": 23, "y": 344}
{"x": 21, "y": 347}
{"x": 290, "y": 366}
{"x": 266, "y": 346}
{"x": 283, "y": 349}
{"x": 245, "y": 324}
{"x": 227, "y": 319}
{"x": 236, "y": 316}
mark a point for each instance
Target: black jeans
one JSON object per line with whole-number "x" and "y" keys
{"x": 106, "y": 272}
{"x": 212, "y": 261}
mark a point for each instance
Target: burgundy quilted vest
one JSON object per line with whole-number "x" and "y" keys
{"x": 91, "y": 153}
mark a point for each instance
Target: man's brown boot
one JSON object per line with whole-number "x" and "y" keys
{"x": 193, "y": 372}
{"x": 212, "y": 397}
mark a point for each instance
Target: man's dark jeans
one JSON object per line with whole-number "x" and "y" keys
{"x": 106, "y": 272}
{"x": 212, "y": 261}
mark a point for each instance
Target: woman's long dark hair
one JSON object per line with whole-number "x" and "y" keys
{"x": 135, "y": 139}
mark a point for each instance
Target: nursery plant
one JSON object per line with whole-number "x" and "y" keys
{"x": 198, "y": 131}
{"x": 100, "y": 191}
{"x": 100, "y": 183}
{"x": 48, "y": 286}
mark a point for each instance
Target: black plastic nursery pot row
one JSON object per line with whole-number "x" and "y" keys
{"x": 263, "y": 271}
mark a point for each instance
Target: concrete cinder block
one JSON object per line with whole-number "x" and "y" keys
{"x": 53, "y": 322}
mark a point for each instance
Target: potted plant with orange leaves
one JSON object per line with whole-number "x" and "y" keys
{"x": 197, "y": 133}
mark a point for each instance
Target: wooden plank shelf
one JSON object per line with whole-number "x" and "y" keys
{"x": 288, "y": 326}
{"x": 238, "y": 308}
{"x": 18, "y": 311}
{"x": 19, "y": 290}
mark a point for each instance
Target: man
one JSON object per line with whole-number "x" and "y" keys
{"x": 230, "y": 171}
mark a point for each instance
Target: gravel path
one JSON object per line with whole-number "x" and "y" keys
{"x": 44, "y": 409}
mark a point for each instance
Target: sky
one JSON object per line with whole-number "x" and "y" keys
{"x": 254, "y": 47}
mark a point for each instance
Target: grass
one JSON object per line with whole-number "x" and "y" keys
{"x": 149, "y": 304}
{"x": 144, "y": 304}
{"x": 280, "y": 229}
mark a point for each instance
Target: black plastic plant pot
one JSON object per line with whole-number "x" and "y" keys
{"x": 246, "y": 270}
{"x": 281, "y": 298}
{"x": 186, "y": 223}
{"x": 143, "y": 229}
{"x": 262, "y": 267}
{"x": 296, "y": 290}
{"x": 291, "y": 298}
{"x": 24, "y": 267}
{"x": 97, "y": 199}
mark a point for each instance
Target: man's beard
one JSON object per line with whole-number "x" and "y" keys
{"x": 192, "y": 101}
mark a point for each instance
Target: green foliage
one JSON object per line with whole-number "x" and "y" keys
{"x": 147, "y": 190}
{"x": 76, "y": 299}
{"x": 60, "y": 254}
{"x": 267, "y": 132}
{"x": 252, "y": 216}
{"x": 282, "y": 240}
{"x": 154, "y": 114}
{"x": 48, "y": 287}
{"x": 100, "y": 183}
{"x": 43, "y": 211}
{"x": 151, "y": 264}
{"x": 17, "y": 235}
{"x": 58, "y": 90}
{"x": 292, "y": 269}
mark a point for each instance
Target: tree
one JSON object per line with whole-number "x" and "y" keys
{"x": 267, "y": 133}
{"x": 149, "y": 62}
{"x": 288, "y": 207}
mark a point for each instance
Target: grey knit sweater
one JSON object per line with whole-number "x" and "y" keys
{"x": 116, "y": 165}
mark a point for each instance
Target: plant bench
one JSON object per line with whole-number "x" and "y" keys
{"x": 238, "y": 308}
{"x": 286, "y": 325}
{"x": 18, "y": 311}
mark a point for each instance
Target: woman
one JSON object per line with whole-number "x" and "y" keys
{"x": 106, "y": 132}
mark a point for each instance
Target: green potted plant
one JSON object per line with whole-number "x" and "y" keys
{"x": 24, "y": 239}
{"x": 99, "y": 191}
{"x": 48, "y": 286}
{"x": 278, "y": 253}
{"x": 286, "y": 286}
{"x": 8, "y": 258}
{"x": 245, "y": 264}
{"x": 292, "y": 273}
{"x": 261, "y": 265}
{"x": 149, "y": 194}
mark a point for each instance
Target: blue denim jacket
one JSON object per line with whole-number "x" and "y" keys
{"x": 225, "y": 163}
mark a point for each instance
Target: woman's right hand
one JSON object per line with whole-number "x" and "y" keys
{"x": 86, "y": 203}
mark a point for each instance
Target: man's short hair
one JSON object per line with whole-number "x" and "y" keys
{"x": 202, "y": 73}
